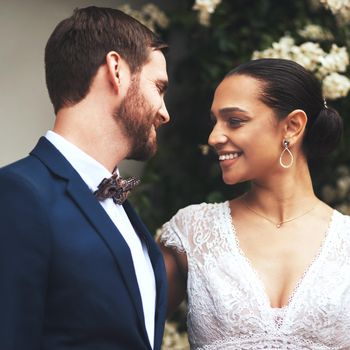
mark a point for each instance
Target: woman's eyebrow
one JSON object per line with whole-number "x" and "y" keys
{"x": 228, "y": 110}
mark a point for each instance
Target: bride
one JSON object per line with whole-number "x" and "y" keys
{"x": 271, "y": 269}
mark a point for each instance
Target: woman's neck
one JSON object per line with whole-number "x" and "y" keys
{"x": 284, "y": 196}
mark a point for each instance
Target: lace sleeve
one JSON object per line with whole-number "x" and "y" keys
{"x": 174, "y": 233}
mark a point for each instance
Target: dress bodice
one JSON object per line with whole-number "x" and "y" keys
{"x": 228, "y": 307}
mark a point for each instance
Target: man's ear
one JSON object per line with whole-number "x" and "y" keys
{"x": 114, "y": 63}
{"x": 294, "y": 126}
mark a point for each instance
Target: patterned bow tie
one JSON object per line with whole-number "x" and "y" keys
{"x": 116, "y": 188}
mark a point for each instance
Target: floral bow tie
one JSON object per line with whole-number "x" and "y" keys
{"x": 116, "y": 188}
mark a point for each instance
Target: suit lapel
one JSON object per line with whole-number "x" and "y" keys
{"x": 158, "y": 268}
{"x": 97, "y": 216}
{"x": 153, "y": 250}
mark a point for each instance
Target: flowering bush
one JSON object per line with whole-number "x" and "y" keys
{"x": 205, "y": 9}
{"x": 326, "y": 66}
{"x": 150, "y": 15}
{"x": 340, "y": 8}
{"x": 315, "y": 32}
{"x": 337, "y": 194}
{"x": 335, "y": 85}
{"x": 173, "y": 339}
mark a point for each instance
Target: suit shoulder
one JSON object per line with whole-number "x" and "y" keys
{"x": 26, "y": 167}
{"x": 29, "y": 173}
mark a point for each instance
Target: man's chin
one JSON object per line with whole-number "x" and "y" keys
{"x": 144, "y": 153}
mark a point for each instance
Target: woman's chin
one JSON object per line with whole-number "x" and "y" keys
{"x": 232, "y": 180}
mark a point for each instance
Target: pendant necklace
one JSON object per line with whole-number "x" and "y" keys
{"x": 280, "y": 223}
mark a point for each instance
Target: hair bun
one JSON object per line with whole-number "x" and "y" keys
{"x": 324, "y": 134}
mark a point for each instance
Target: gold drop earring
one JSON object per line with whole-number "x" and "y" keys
{"x": 286, "y": 150}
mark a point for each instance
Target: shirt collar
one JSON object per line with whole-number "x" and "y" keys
{"x": 89, "y": 169}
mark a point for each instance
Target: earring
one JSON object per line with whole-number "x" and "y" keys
{"x": 286, "y": 149}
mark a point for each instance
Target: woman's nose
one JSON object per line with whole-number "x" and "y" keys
{"x": 216, "y": 136}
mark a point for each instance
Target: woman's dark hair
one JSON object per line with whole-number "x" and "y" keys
{"x": 287, "y": 86}
{"x": 79, "y": 44}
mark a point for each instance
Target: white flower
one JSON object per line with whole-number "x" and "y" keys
{"x": 335, "y": 86}
{"x": 307, "y": 54}
{"x": 315, "y": 32}
{"x": 205, "y": 149}
{"x": 207, "y": 5}
{"x": 133, "y": 13}
{"x": 205, "y": 8}
{"x": 173, "y": 340}
{"x": 156, "y": 15}
{"x": 336, "y": 61}
{"x": 149, "y": 15}
{"x": 340, "y": 8}
{"x": 343, "y": 185}
{"x": 310, "y": 55}
{"x": 336, "y": 5}
{"x": 280, "y": 49}
{"x": 325, "y": 66}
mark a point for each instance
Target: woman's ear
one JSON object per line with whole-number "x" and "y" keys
{"x": 294, "y": 126}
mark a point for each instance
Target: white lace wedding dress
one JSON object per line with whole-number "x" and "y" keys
{"x": 228, "y": 307}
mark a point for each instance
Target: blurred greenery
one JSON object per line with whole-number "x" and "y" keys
{"x": 199, "y": 58}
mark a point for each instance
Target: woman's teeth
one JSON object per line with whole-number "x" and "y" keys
{"x": 229, "y": 156}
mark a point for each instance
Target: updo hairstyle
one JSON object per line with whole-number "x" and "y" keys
{"x": 288, "y": 86}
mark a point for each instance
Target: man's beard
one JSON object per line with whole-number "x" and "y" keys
{"x": 137, "y": 118}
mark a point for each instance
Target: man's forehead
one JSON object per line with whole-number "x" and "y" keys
{"x": 157, "y": 56}
{"x": 156, "y": 65}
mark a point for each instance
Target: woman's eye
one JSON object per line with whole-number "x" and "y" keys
{"x": 234, "y": 122}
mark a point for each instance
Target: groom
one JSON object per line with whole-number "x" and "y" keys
{"x": 78, "y": 269}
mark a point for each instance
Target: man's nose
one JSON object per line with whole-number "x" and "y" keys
{"x": 163, "y": 112}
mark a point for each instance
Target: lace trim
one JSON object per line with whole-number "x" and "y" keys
{"x": 262, "y": 341}
{"x": 170, "y": 238}
{"x": 280, "y": 313}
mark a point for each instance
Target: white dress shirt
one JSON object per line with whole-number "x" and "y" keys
{"x": 92, "y": 172}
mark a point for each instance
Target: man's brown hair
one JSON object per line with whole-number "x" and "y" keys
{"x": 79, "y": 44}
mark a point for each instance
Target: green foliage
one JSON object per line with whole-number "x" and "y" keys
{"x": 180, "y": 175}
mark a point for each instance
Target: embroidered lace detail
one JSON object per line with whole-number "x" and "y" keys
{"x": 228, "y": 307}
{"x": 278, "y": 315}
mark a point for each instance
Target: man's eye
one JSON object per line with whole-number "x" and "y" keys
{"x": 161, "y": 88}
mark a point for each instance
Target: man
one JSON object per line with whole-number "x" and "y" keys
{"x": 76, "y": 272}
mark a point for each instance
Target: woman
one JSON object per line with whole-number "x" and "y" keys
{"x": 271, "y": 269}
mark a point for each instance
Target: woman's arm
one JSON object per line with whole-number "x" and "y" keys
{"x": 176, "y": 269}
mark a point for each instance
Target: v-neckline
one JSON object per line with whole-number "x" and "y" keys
{"x": 257, "y": 280}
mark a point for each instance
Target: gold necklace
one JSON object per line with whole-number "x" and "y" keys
{"x": 279, "y": 224}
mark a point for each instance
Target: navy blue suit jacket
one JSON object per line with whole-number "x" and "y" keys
{"x": 67, "y": 280}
